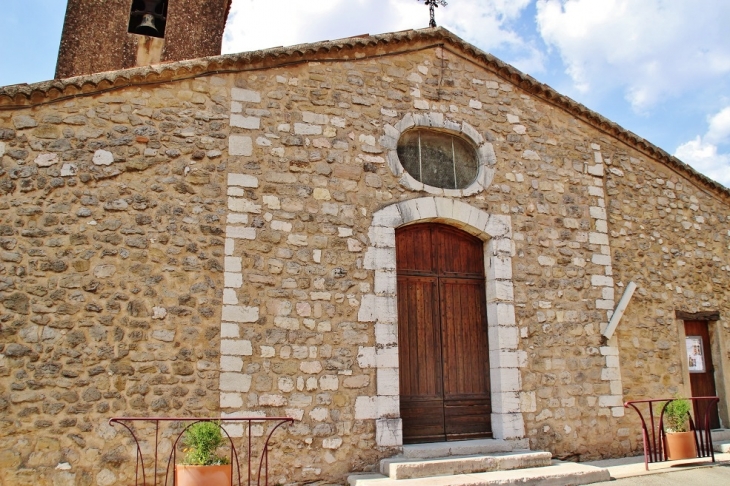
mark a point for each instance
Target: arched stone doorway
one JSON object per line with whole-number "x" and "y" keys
{"x": 380, "y": 308}
{"x": 442, "y": 334}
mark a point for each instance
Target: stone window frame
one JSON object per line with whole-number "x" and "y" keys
{"x": 486, "y": 158}
{"x": 380, "y": 308}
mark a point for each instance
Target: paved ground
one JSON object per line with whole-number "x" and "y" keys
{"x": 703, "y": 476}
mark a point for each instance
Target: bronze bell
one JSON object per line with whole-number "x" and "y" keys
{"x": 147, "y": 26}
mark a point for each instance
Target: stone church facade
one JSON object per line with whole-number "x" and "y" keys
{"x": 218, "y": 237}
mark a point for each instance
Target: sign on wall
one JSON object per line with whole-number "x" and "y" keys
{"x": 695, "y": 356}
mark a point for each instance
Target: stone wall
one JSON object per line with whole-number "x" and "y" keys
{"x": 111, "y": 279}
{"x": 209, "y": 247}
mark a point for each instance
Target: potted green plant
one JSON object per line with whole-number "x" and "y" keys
{"x": 679, "y": 440}
{"x": 202, "y": 466}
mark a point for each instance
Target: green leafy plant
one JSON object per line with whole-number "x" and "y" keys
{"x": 676, "y": 415}
{"x": 200, "y": 443}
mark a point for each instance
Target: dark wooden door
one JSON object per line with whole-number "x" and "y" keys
{"x": 701, "y": 371}
{"x": 442, "y": 334}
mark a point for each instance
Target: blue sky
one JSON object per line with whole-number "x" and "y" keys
{"x": 660, "y": 68}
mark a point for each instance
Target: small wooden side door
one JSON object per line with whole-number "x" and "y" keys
{"x": 701, "y": 371}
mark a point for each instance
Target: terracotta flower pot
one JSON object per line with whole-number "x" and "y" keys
{"x": 680, "y": 445}
{"x": 203, "y": 475}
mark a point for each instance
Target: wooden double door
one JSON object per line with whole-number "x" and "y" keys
{"x": 442, "y": 335}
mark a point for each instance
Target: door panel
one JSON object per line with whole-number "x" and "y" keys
{"x": 702, "y": 383}
{"x": 442, "y": 326}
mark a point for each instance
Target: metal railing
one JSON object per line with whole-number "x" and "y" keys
{"x": 141, "y": 468}
{"x": 653, "y": 434}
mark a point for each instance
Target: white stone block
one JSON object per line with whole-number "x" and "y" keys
{"x": 246, "y": 122}
{"x": 385, "y": 283}
{"x": 237, "y": 313}
{"x": 426, "y": 207}
{"x": 597, "y": 212}
{"x": 444, "y": 207}
{"x": 289, "y": 323}
{"x": 612, "y": 362}
{"x": 307, "y": 129}
{"x": 379, "y": 259}
{"x": 595, "y": 191}
{"x": 420, "y": 104}
{"x": 386, "y": 334}
{"x": 500, "y": 290}
{"x": 608, "y": 374}
{"x": 240, "y": 232}
{"x": 235, "y": 382}
{"x": 388, "y": 217}
{"x": 2, "y": 149}
{"x": 604, "y": 304}
{"x": 504, "y": 359}
{"x": 504, "y": 338}
{"x": 508, "y": 426}
{"x": 242, "y": 205}
{"x": 47, "y": 160}
{"x": 366, "y": 408}
{"x": 329, "y": 382}
{"x": 237, "y": 218}
{"x": 231, "y": 400}
{"x": 506, "y": 402}
{"x": 505, "y": 315}
{"x": 240, "y": 145}
{"x": 609, "y": 351}
{"x": 230, "y": 246}
{"x": 230, "y": 330}
{"x": 366, "y": 357}
{"x": 389, "y": 432}
{"x": 389, "y": 406}
{"x": 598, "y": 238}
{"x": 601, "y": 281}
{"x": 310, "y": 367}
{"x": 239, "y": 94}
{"x": 381, "y": 237}
{"x": 600, "y": 259}
{"x": 267, "y": 400}
{"x": 232, "y": 280}
{"x": 243, "y": 180}
{"x": 316, "y": 118}
{"x": 499, "y": 226}
{"x": 232, "y": 264}
{"x": 500, "y": 268}
{"x": 103, "y": 157}
{"x": 281, "y": 226}
{"x": 165, "y": 335}
{"x": 297, "y": 240}
{"x": 610, "y": 401}
{"x": 236, "y": 347}
{"x": 387, "y": 382}
{"x": 231, "y": 364}
{"x": 596, "y": 170}
{"x": 386, "y": 357}
{"x": 505, "y": 380}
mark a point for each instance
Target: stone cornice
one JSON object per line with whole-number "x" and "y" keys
{"x": 350, "y": 49}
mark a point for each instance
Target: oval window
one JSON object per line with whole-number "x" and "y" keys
{"x": 438, "y": 159}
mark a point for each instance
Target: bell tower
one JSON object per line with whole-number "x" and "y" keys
{"x": 108, "y": 35}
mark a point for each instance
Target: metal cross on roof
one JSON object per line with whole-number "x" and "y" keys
{"x": 434, "y": 4}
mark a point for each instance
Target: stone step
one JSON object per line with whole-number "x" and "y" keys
{"x": 719, "y": 435}
{"x": 404, "y": 468}
{"x": 557, "y": 474}
{"x": 457, "y": 448}
{"x": 721, "y": 446}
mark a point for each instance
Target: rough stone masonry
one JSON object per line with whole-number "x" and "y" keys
{"x": 221, "y": 241}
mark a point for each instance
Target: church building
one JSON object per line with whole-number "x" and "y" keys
{"x": 393, "y": 239}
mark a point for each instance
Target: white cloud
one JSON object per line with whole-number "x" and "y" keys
{"x": 260, "y": 24}
{"x": 650, "y": 49}
{"x": 704, "y": 152}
